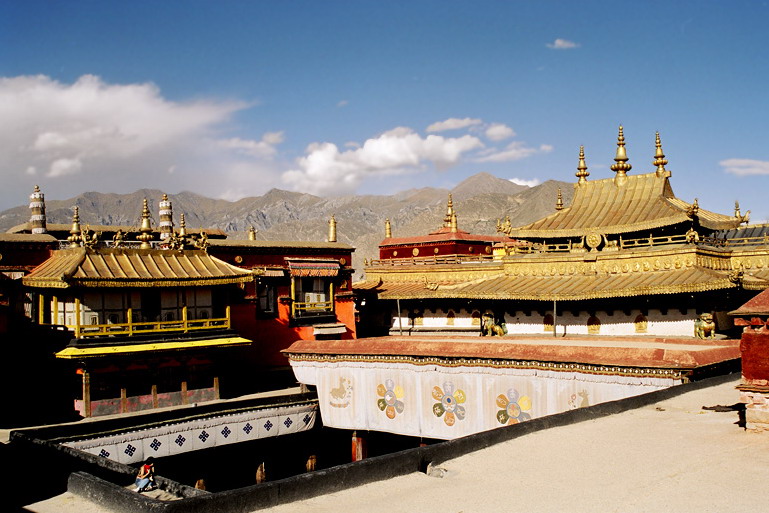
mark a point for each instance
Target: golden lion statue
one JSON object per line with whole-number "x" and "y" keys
{"x": 704, "y": 327}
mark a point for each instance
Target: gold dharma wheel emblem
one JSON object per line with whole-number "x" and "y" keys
{"x": 593, "y": 240}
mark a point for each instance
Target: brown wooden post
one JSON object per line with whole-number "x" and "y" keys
{"x": 130, "y": 319}
{"x": 229, "y": 322}
{"x": 185, "y": 399}
{"x": 154, "y": 396}
{"x": 86, "y": 393}
{"x": 184, "y": 318}
{"x": 216, "y": 387}
{"x": 77, "y": 317}
{"x": 123, "y": 400}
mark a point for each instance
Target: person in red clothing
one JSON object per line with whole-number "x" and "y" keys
{"x": 145, "y": 479}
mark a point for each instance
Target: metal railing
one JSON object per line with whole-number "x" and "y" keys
{"x": 309, "y": 308}
{"x": 130, "y": 328}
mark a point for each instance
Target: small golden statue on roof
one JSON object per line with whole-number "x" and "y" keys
{"x": 118, "y": 239}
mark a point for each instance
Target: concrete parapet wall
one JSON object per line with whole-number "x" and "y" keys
{"x": 305, "y": 486}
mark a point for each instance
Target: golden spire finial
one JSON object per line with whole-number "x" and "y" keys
{"x": 146, "y": 228}
{"x": 37, "y": 188}
{"x": 449, "y": 212}
{"x": 251, "y": 233}
{"x": 659, "y": 158}
{"x": 621, "y": 166}
{"x": 76, "y": 232}
{"x": 582, "y": 173}
{"x": 559, "y": 200}
{"x": 182, "y": 226}
{"x": 388, "y": 229}
{"x": 332, "y": 229}
{"x": 453, "y": 224}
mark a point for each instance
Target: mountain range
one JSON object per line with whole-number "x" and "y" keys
{"x": 479, "y": 201}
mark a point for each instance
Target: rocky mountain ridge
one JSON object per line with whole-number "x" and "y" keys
{"x": 283, "y": 215}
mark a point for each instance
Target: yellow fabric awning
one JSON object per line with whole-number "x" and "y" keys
{"x": 91, "y": 352}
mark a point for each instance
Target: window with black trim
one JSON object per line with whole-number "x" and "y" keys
{"x": 266, "y": 295}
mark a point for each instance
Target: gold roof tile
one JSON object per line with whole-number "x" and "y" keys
{"x": 641, "y": 202}
{"x": 568, "y": 287}
{"x": 133, "y": 268}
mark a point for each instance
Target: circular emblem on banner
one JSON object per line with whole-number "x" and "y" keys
{"x": 238, "y": 259}
{"x": 342, "y": 261}
{"x": 415, "y": 251}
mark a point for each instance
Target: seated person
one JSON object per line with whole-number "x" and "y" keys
{"x": 145, "y": 479}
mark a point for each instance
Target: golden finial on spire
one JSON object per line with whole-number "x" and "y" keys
{"x": 621, "y": 166}
{"x": 76, "y": 231}
{"x": 332, "y": 229}
{"x": 449, "y": 212}
{"x": 388, "y": 229}
{"x": 582, "y": 173}
{"x": 737, "y": 212}
{"x": 453, "y": 224}
{"x": 146, "y": 228}
{"x": 659, "y": 158}
{"x": 251, "y": 233}
{"x": 182, "y": 226}
{"x": 559, "y": 200}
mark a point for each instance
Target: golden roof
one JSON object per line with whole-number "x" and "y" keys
{"x": 133, "y": 268}
{"x": 562, "y": 288}
{"x": 639, "y": 202}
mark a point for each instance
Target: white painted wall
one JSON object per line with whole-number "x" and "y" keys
{"x": 673, "y": 323}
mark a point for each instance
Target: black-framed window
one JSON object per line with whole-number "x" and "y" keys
{"x": 266, "y": 299}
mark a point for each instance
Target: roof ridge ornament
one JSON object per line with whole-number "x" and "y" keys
{"x": 449, "y": 212}
{"x": 621, "y": 166}
{"x": 559, "y": 200}
{"x": 388, "y": 229}
{"x": 76, "y": 231}
{"x": 582, "y": 173}
{"x": 738, "y": 215}
{"x": 693, "y": 209}
{"x": 146, "y": 228}
{"x": 251, "y": 233}
{"x": 659, "y": 158}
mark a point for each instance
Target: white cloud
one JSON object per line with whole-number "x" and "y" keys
{"x": 528, "y": 183}
{"x": 63, "y": 167}
{"x": 265, "y": 148}
{"x": 499, "y": 132}
{"x": 92, "y": 135}
{"x": 453, "y": 124}
{"x": 516, "y": 150}
{"x": 745, "y": 167}
{"x": 562, "y": 44}
{"x": 326, "y": 170}
{"x": 342, "y": 103}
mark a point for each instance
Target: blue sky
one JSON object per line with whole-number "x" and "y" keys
{"x": 230, "y": 99}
